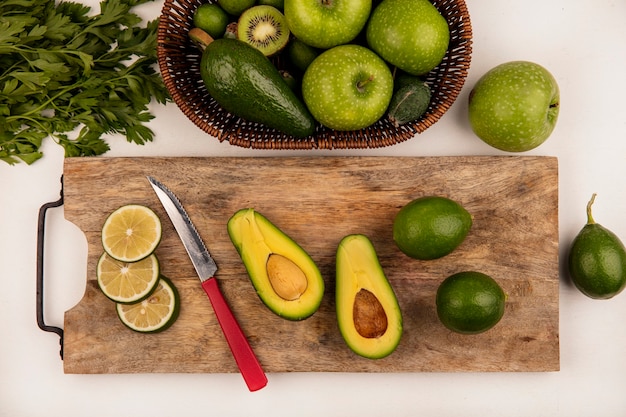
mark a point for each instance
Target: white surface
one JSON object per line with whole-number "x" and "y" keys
{"x": 583, "y": 43}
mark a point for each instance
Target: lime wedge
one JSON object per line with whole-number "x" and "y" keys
{"x": 127, "y": 282}
{"x": 155, "y": 313}
{"x": 131, "y": 233}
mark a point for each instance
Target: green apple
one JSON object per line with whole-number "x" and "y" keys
{"x": 514, "y": 106}
{"x": 326, "y": 23}
{"x": 347, "y": 87}
{"x": 410, "y": 34}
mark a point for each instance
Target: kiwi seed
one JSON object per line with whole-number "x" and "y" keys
{"x": 265, "y": 28}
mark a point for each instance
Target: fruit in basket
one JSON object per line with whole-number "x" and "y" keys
{"x": 597, "y": 260}
{"x": 431, "y": 227}
{"x": 327, "y": 23}
{"x": 235, "y": 7}
{"x": 347, "y": 87}
{"x": 290, "y": 80}
{"x": 368, "y": 314}
{"x": 211, "y": 18}
{"x": 245, "y": 83}
{"x": 231, "y": 30}
{"x": 283, "y": 274}
{"x": 410, "y": 34}
{"x": 514, "y": 107}
{"x": 470, "y": 302}
{"x": 410, "y": 100}
{"x": 300, "y": 54}
{"x": 279, "y": 4}
{"x": 263, "y": 27}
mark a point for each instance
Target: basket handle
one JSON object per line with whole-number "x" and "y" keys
{"x": 41, "y": 227}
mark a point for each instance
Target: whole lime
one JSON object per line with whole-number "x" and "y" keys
{"x": 431, "y": 227}
{"x": 212, "y": 19}
{"x": 470, "y": 302}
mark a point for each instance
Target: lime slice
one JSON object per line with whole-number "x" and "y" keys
{"x": 154, "y": 314}
{"x": 127, "y": 282}
{"x": 131, "y": 233}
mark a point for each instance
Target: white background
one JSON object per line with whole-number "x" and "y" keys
{"x": 583, "y": 43}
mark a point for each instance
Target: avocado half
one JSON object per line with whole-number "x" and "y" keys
{"x": 283, "y": 274}
{"x": 368, "y": 313}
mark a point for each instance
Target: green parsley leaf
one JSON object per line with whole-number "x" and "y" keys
{"x": 64, "y": 70}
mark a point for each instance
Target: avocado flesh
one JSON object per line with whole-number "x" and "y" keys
{"x": 359, "y": 275}
{"x": 245, "y": 83}
{"x": 257, "y": 240}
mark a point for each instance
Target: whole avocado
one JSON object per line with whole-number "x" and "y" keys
{"x": 245, "y": 83}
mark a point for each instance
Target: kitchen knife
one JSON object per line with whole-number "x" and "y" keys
{"x": 206, "y": 268}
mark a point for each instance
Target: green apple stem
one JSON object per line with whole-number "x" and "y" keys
{"x": 362, "y": 83}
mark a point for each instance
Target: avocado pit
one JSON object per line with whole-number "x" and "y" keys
{"x": 286, "y": 278}
{"x": 370, "y": 320}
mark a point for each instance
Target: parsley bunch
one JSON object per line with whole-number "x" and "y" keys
{"x": 64, "y": 70}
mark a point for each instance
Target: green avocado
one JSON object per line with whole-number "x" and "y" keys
{"x": 368, "y": 313}
{"x": 282, "y": 273}
{"x": 246, "y": 83}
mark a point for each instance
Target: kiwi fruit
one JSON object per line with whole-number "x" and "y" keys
{"x": 265, "y": 28}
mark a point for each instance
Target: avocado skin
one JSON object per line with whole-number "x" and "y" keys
{"x": 358, "y": 268}
{"x": 255, "y": 238}
{"x": 245, "y": 83}
{"x": 597, "y": 262}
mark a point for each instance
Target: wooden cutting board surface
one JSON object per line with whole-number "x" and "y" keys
{"x": 317, "y": 201}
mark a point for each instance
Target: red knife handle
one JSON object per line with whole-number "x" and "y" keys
{"x": 244, "y": 356}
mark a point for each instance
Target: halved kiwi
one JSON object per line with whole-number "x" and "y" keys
{"x": 265, "y": 28}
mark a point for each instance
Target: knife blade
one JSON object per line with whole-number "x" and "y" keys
{"x": 205, "y": 266}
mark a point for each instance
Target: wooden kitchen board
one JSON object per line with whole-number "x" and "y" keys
{"x": 317, "y": 201}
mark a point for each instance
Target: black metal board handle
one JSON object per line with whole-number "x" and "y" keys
{"x": 41, "y": 228}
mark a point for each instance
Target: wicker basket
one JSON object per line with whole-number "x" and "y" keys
{"x": 179, "y": 64}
